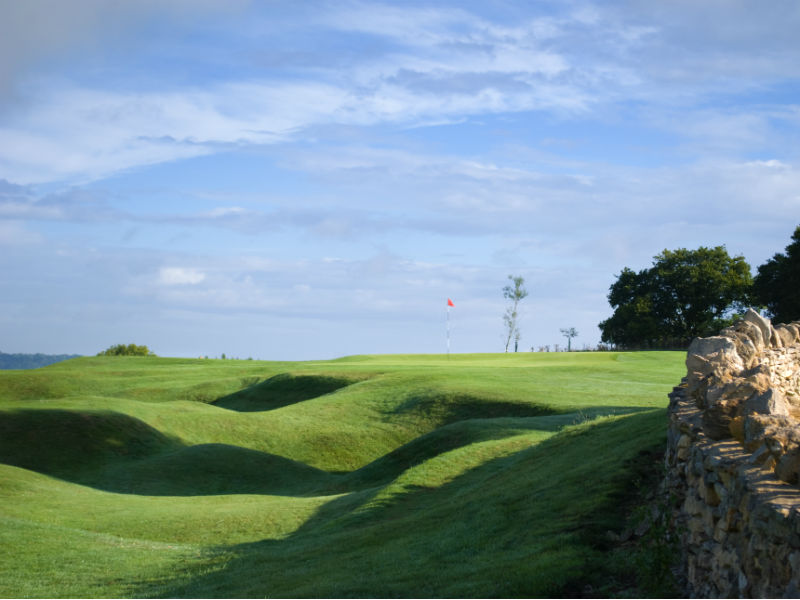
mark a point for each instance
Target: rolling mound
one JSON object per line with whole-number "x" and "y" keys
{"x": 282, "y": 390}
{"x": 66, "y": 443}
{"x": 207, "y": 469}
{"x": 478, "y": 475}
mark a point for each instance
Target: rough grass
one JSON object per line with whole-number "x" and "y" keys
{"x": 477, "y": 475}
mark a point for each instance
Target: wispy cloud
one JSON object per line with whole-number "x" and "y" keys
{"x": 323, "y": 166}
{"x": 180, "y": 276}
{"x": 70, "y": 131}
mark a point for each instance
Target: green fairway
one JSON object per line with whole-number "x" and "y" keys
{"x": 401, "y": 475}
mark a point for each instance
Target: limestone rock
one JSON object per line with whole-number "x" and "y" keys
{"x": 759, "y": 375}
{"x": 696, "y": 385}
{"x": 717, "y": 419}
{"x": 770, "y": 402}
{"x": 744, "y": 342}
{"x": 759, "y": 427}
{"x": 752, "y": 332}
{"x": 737, "y": 499}
{"x": 775, "y": 340}
{"x": 788, "y": 466}
{"x": 707, "y": 353}
{"x": 794, "y": 330}
{"x": 763, "y": 324}
{"x": 727, "y": 398}
{"x": 736, "y": 428}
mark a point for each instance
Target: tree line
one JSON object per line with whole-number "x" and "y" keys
{"x": 691, "y": 293}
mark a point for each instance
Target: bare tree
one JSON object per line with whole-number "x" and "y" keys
{"x": 514, "y": 293}
{"x": 569, "y": 333}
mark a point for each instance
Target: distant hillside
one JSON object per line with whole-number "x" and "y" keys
{"x": 31, "y": 361}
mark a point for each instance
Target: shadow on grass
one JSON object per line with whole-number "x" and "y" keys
{"x": 65, "y": 443}
{"x": 118, "y": 453}
{"x": 452, "y": 407}
{"x": 282, "y": 390}
{"x": 522, "y": 525}
{"x": 464, "y": 432}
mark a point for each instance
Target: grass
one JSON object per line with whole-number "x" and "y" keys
{"x": 403, "y": 475}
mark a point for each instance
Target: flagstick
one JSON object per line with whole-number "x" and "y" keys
{"x": 448, "y": 332}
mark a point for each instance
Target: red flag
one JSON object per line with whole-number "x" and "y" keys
{"x": 450, "y": 302}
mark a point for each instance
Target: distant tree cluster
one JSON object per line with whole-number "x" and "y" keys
{"x": 126, "y": 350}
{"x": 686, "y": 293}
{"x": 691, "y": 293}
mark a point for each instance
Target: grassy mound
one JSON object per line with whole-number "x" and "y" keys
{"x": 66, "y": 443}
{"x": 212, "y": 469}
{"x": 478, "y": 475}
{"x": 282, "y": 390}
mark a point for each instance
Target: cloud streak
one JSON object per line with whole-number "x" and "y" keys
{"x": 335, "y": 171}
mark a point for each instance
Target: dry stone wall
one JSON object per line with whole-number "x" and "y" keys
{"x": 733, "y": 461}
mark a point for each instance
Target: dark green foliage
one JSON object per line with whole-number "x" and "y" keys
{"x": 777, "y": 284}
{"x": 129, "y": 350}
{"x": 685, "y": 294}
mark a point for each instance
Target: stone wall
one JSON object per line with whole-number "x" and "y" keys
{"x": 733, "y": 461}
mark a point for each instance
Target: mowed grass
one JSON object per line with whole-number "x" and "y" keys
{"x": 402, "y": 475}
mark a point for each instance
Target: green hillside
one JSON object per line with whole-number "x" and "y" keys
{"x": 474, "y": 475}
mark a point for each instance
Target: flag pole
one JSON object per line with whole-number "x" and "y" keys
{"x": 448, "y": 332}
{"x": 449, "y": 304}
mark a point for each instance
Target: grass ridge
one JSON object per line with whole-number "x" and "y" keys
{"x": 403, "y": 475}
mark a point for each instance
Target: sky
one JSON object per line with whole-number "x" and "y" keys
{"x": 290, "y": 180}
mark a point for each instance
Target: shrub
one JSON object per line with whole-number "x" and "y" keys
{"x": 126, "y": 350}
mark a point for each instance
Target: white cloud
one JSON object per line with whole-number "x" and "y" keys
{"x": 180, "y": 276}
{"x": 438, "y": 65}
{"x": 68, "y": 131}
{"x": 771, "y": 163}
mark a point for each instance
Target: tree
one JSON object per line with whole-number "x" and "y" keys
{"x": 515, "y": 293}
{"x": 129, "y": 350}
{"x": 777, "y": 284}
{"x": 569, "y": 333}
{"x": 685, "y": 294}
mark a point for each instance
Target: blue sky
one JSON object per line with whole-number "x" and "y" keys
{"x": 302, "y": 180}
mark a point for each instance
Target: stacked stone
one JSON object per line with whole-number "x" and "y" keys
{"x": 739, "y": 525}
{"x": 746, "y": 383}
{"x": 784, "y": 367}
{"x": 733, "y": 449}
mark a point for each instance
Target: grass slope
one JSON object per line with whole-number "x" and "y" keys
{"x": 403, "y": 475}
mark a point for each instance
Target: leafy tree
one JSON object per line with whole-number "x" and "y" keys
{"x": 514, "y": 293}
{"x": 129, "y": 350}
{"x": 777, "y": 284}
{"x": 686, "y": 293}
{"x": 569, "y": 333}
